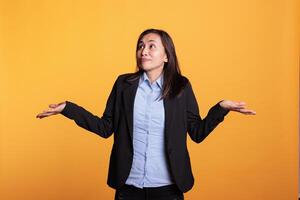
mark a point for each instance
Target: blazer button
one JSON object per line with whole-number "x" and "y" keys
{"x": 121, "y": 196}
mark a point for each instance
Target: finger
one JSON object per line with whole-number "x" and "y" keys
{"x": 244, "y": 111}
{"x": 248, "y": 112}
{"x": 238, "y": 107}
{"x": 48, "y": 110}
{"x": 42, "y": 115}
{"x": 46, "y": 114}
{"x": 240, "y": 103}
{"x": 252, "y": 112}
{"x": 241, "y": 106}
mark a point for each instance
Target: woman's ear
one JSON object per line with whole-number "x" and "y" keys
{"x": 166, "y": 59}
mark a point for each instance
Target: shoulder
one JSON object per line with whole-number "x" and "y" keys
{"x": 125, "y": 80}
{"x": 126, "y": 77}
{"x": 188, "y": 89}
{"x": 179, "y": 84}
{"x": 185, "y": 79}
{"x": 185, "y": 82}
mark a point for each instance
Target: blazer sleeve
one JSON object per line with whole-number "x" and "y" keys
{"x": 102, "y": 126}
{"x": 198, "y": 128}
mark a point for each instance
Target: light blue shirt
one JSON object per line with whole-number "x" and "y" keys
{"x": 149, "y": 167}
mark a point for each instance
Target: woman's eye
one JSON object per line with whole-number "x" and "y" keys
{"x": 152, "y": 46}
{"x": 140, "y": 46}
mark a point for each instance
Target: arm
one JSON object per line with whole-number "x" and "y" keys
{"x": 198, "y": 128}
{"x": 103, "y": 126}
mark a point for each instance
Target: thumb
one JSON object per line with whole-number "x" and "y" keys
{"x": 52, "y": 105}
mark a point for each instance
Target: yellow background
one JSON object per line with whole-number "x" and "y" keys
{"x": 56, "y": 50}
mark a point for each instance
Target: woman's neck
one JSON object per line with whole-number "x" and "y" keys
{"x": 153, "y": 75}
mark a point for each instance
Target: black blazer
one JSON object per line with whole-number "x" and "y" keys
{"x": 181, "y": 117}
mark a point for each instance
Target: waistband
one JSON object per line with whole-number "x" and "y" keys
{"x": 153, "y": 191}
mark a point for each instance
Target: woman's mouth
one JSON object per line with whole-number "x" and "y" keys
{"x": 145, "y": 59}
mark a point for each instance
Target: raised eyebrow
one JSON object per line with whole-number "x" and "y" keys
{"x": 152, "y": 41}
{"x": 148, "y": 41}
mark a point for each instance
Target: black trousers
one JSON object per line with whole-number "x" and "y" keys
{"x": 129, "y": 192}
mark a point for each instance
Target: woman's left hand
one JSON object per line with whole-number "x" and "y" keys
{"x": 237, "y": 107}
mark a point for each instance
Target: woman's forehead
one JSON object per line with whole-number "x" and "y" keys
{"x": 151, "y": 37}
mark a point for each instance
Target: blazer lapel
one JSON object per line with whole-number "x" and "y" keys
{"x": 168, "y": 104}
{"x": 128, "y": 98}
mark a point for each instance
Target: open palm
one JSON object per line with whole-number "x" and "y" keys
{"x": 52, "y": 110}
{"x": 237, "y": 107}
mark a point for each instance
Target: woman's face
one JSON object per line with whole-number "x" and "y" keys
{"x": 151, "y": 53}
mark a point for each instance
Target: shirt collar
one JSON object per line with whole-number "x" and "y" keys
{"x": 159, "y": 81}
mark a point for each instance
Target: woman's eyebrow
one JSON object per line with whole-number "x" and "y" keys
{"x": 148, "y": 41}
{"x": 152, "y": 41}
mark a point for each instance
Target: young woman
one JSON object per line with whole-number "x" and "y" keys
{"x": 150, "y": 113}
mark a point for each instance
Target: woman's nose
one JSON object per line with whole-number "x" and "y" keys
{"x": 144, "y": 52}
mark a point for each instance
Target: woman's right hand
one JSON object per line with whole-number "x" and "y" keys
{"x": 53, "y": 110}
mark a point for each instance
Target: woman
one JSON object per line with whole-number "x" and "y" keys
{"x": 150, "y": 112}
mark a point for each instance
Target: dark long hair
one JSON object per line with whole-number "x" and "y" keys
{"x": 174, "y": 82}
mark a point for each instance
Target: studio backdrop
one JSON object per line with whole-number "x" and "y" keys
{"x": 57, "y": 50}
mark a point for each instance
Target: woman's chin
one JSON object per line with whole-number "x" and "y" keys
{"x": 146, "y": 68}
